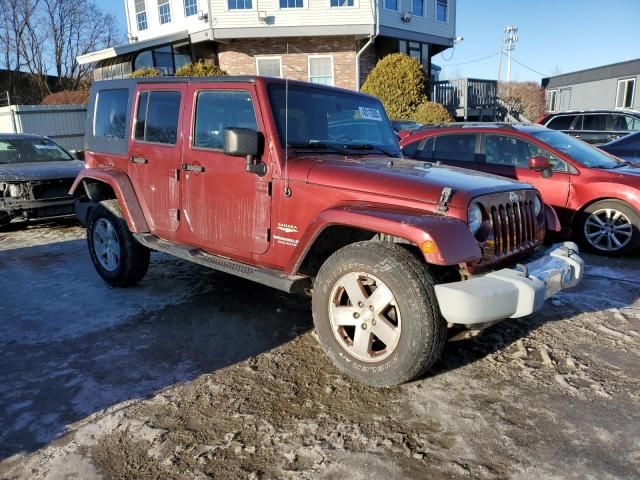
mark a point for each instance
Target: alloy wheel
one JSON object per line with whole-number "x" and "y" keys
{"x": 106, "y": 244}
{"x": 365, "y": 317}
{"x": 608, "y": 229}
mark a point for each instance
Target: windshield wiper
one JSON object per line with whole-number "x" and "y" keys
{"x": 369, "y": 146}
{"x": 621, "y": 164}
{"x": 315, "y": 146}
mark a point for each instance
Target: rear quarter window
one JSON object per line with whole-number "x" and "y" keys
{"x": 562, "y": 122}
{"x": 111, "y": 114}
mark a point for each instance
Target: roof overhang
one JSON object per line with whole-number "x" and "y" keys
{"x": 131, "y": 47}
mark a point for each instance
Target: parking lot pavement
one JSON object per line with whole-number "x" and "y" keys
{"x": 196, "y": 374}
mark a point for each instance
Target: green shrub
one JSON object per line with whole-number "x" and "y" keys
{"x": 431, "y": 112}
{"x": 199, "y": 69}
{"x": 145, "y": 72}
{"x": 399, "y": 82}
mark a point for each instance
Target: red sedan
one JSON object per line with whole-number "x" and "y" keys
{"x": 596, "y": 195}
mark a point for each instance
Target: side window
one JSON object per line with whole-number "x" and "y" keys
{"x": 562, "y": 122}
{"x": 557, "y": 165}
{"x": 625, "y": 123}
{"x": 425, "y": 152}
{"x": 507, "y": 151}
{"x": 110, "y": 119}
{"x": 157, "y": 117}
{"x": 455, "y": 148}
{"x": 595, "y": 122}
{"x": 217, "y": 110}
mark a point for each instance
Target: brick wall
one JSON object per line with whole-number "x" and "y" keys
{"x": 238, "y": 56}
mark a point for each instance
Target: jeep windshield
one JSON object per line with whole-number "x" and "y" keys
{"x": 24, "y": 150}
{"x": 330, "y": 121}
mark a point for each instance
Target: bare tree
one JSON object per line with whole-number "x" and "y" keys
{"x": 44, "y": 37}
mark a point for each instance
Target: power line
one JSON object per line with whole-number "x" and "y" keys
{"x": 526, "y": 66}
{"x": 470, "y": 61}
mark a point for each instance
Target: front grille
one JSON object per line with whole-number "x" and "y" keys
{"x": 514, "y": 227}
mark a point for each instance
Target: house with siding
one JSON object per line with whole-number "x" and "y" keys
{"x": 334, "y": 42}
{"x": 607, "y": 87}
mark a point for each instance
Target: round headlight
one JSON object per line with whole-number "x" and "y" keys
{"x": 537, "y": 206}
{"x": 475, "y": 218}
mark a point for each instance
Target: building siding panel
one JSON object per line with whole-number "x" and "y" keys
{"x": 426, "y": 24}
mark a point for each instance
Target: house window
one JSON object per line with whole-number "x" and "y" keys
{"x": 551, "y": 100}
{"x": 141, "y": 15}
{"x": 417, "y": 8}
{"x": 164, "y": 11}
{"x": 321, "y": 70}
{"x": 442, "y": 10}
{"x": 269, "y": 66}
{"x": 190, "y": 7}
{"x": 624, "y": 96}
{"x": 240, "y": 4}
{"x": 342, "y": 3}
{"x": 291, "y": 3}
{"x": 391, "y": 5}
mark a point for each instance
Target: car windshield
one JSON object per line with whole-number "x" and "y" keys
{"x": 330, "y": 121}
{"x": 23, "y": 150}
{"x": 584, "y": 153}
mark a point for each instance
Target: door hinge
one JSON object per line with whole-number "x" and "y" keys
{"x": 177, "y": 174}
{"x": 174, "y": 213}
{"x": 268, "y": 235}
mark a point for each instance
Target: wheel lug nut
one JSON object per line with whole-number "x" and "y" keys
{"x": 371, "y": 307}
{"x": 373, "y": 322}
{"x": 364, "y": 326}
{"x": 356, "y": 315}
{"x": 360, "y": 304}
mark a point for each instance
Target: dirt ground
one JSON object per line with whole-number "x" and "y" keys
{"x": 195, "y": 374}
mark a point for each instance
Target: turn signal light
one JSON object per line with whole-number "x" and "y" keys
{"x": 429, "y": 246}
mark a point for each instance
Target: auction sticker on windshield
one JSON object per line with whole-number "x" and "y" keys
{"x": 370, "y": 113}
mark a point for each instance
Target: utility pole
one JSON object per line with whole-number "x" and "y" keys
{"x": 510, "y": 39}
{"x": 501, "y": 45}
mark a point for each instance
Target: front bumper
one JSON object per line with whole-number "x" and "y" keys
{"x": 511, "y": 293}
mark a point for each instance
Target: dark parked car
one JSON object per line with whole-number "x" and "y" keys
{"x": 35, "y": 176}
{"x": 594, "y": 126}
{"x": 595, "y": 194}
{"x": 626, "y": 148}
{"x": 405, "y": 125}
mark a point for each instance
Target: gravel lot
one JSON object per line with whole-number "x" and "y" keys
{"x": 195, "y": 374}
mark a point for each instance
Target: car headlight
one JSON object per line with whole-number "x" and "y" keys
{"x": 475, "y": 218}
{"x": 537, "y": 206}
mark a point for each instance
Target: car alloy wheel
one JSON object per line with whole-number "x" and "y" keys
{"x": 106, "y": 245}
{"x": 364, "y": 316}
{"x": 608, "y": 229}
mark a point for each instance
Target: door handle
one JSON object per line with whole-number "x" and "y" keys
{"x": 187, "y": 167}
{"x": 139, "y": 160}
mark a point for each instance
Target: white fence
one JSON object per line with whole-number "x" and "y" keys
{"x": 64, "y": 124}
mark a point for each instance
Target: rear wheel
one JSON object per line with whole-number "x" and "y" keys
{"x": 610, "y": 227}
{"x": 376, "y": 315}
{"x": 118, "y": 258}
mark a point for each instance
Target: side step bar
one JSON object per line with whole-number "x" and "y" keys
{"x": 266, "y": 276}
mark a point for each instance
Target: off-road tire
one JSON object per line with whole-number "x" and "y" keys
{"x": 629, "y": 212}
{"x": 134, "y": 258}
{"x": 423, "y": 331}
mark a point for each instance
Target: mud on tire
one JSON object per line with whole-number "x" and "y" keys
{"x": 118, "y": 258}
{"x": 404, "y": 333}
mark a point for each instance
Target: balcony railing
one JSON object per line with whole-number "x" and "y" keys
{"x": 467, "y": 97}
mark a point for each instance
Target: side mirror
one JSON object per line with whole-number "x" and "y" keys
{"x": 542, "y": 165}
{"x": 244, "y": 142}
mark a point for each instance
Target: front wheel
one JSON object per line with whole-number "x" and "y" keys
{"x": 376, "y": 314}
{"x": 610, "y": 228}
{"x": 118, "y": 258}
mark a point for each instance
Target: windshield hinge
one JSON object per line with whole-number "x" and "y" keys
{"x": 445, "y": 198}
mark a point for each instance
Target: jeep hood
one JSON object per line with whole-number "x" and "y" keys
{"x": 24, "y": 172}
{"x": 409, "y": 179}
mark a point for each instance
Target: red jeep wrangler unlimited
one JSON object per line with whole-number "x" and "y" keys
{"x": 303, "y": 187}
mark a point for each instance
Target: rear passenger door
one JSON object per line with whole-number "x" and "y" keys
{"x": 155, "y": 154}
{"x": 455, "y": 149}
